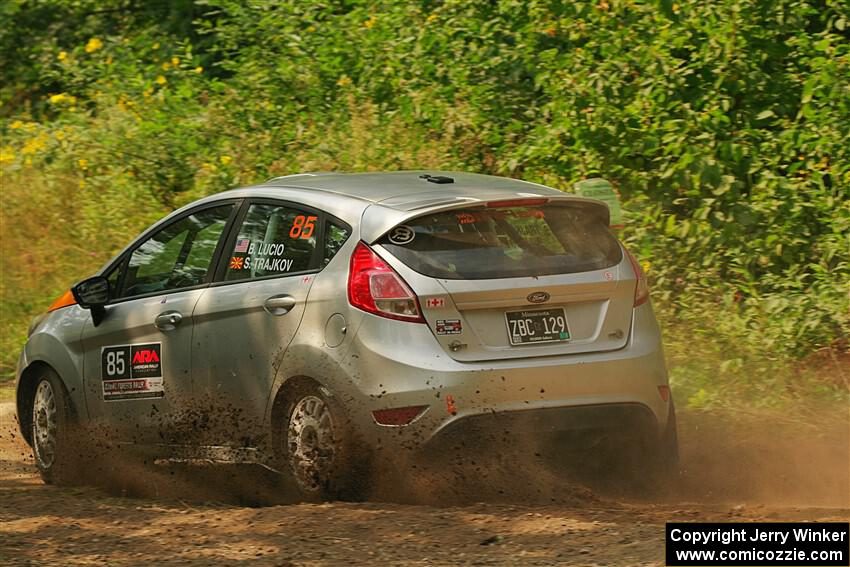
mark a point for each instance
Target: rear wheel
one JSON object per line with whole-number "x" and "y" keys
{"x": 667, "y": 459}
{"x": 317, "y": 446}
{"x": 638, "y": 460}
{"x": 53, "y": 431}
{"x": 656, "y": 465}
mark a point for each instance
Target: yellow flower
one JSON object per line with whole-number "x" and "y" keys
{"x": 675, "y": 8}
{"x": 7, "y": 154}
{"x": 311, "y": 29}
{"x": 432, "y": 18}
{"x": 155, "y": 45}
{"x": 148, "y": 92}
{"x": 62, "y": 97}
{"x": 343, "y": 81}
{"x": 82, "y": 184}
{"x": 225, "y": 160}
{"x": 175, "y": 61}
{"x": 93, "y": 45}
{"x": 59, "y": 135}
{"x": 199, "y": 70}
{"x": 83, "y": 163}
{"x": 63, "y": 55}
{"x": 645, "y": 267}
{"x": 16, "y": 124}
{"x": 166, "y": 66}
{"x": 370, "y": 22}
{"x": 161, "y": 80}
{"x": 33, "y": 145}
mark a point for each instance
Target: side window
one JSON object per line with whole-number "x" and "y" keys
{"x": 335, "y": 237}
{"x": 178, "y": 255}
{"x": 273, "y": 240}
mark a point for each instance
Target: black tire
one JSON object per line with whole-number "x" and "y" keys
{"x": 56, "y": 439}
{"x": 337, "y": 465}
{"x": 668, "y": 449}
{"x": 658, "y": 468}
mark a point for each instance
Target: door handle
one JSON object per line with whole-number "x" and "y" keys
{"x": 168, "y": 320}
{"x": 279, "y": 304}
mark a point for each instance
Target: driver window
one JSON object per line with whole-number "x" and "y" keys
{"x": 178, "y": 256}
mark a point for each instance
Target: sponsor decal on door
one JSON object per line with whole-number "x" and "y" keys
{"x": 132, "y": 372}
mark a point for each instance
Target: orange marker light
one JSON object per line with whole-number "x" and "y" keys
{"x": 664, "y": 392}
{"x": 63, "y": 300}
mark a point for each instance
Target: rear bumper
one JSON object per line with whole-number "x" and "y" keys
{"x": 577, "y": 427}
{"x": 607, "y": 390}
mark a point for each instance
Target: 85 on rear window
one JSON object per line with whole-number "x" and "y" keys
{"x": 506, "y": 242}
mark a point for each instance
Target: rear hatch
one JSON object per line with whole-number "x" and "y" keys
{"x": 515, "y": 279}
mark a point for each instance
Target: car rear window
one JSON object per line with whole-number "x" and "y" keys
{"x": 506, "y": 242}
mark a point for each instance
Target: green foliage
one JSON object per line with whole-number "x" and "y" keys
{"x": 724, "y": 124}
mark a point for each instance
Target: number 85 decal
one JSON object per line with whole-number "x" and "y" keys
{"x": 302, "y": 227}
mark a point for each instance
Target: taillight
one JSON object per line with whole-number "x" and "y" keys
{"x": 642, "y": 289}
{"x": 63, "y": 300}
{"x": 374, "y": 287}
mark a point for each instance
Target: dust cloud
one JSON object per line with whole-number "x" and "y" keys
{"x": 746, "y": 460}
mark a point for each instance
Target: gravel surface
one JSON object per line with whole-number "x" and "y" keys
{"x": 49, "y": 525}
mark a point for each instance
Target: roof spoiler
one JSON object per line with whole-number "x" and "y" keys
{"x": 377, "y": 219}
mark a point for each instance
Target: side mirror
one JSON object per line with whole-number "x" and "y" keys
{"x": 92, "y": 292}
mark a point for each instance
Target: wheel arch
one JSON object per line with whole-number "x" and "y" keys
{"x": 26, "y": 392}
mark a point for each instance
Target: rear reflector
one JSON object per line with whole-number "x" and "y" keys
{"x": 375, "y": 287}
{"x": 398, "y": 416}
{"x": 63, "y": 300}
{"x": 517, "y": 203}
{"x": 664, "y": 392}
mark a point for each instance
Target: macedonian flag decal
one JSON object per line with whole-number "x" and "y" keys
{"x": 236, "y": 263}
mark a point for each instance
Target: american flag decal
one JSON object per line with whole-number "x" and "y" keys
{"x": 236, "y": 263}
{"x": 242, "y": 245}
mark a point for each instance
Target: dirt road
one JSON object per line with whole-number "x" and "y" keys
{"x": 196, "y": 516}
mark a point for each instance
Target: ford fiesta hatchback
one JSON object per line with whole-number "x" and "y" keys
{"x": 319, "y": 321}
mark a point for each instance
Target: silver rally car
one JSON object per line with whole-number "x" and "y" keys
{"x": 316, "y": 322}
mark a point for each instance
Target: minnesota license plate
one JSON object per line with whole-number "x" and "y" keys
{"x": 537, "y": 326}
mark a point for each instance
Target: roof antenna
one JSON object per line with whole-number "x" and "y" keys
{"x": 439, "y": 179}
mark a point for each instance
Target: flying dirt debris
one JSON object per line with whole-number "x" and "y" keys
{"x": 179, "y": 515}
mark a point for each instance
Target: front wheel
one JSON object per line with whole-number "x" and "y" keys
{"x": 318, "y": 448}
{"x": 53, "y": 431}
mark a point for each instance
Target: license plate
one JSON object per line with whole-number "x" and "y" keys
{"x": 537, "y": 326}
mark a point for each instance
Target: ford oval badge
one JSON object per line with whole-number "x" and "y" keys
{"x": 538, "y": 297}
